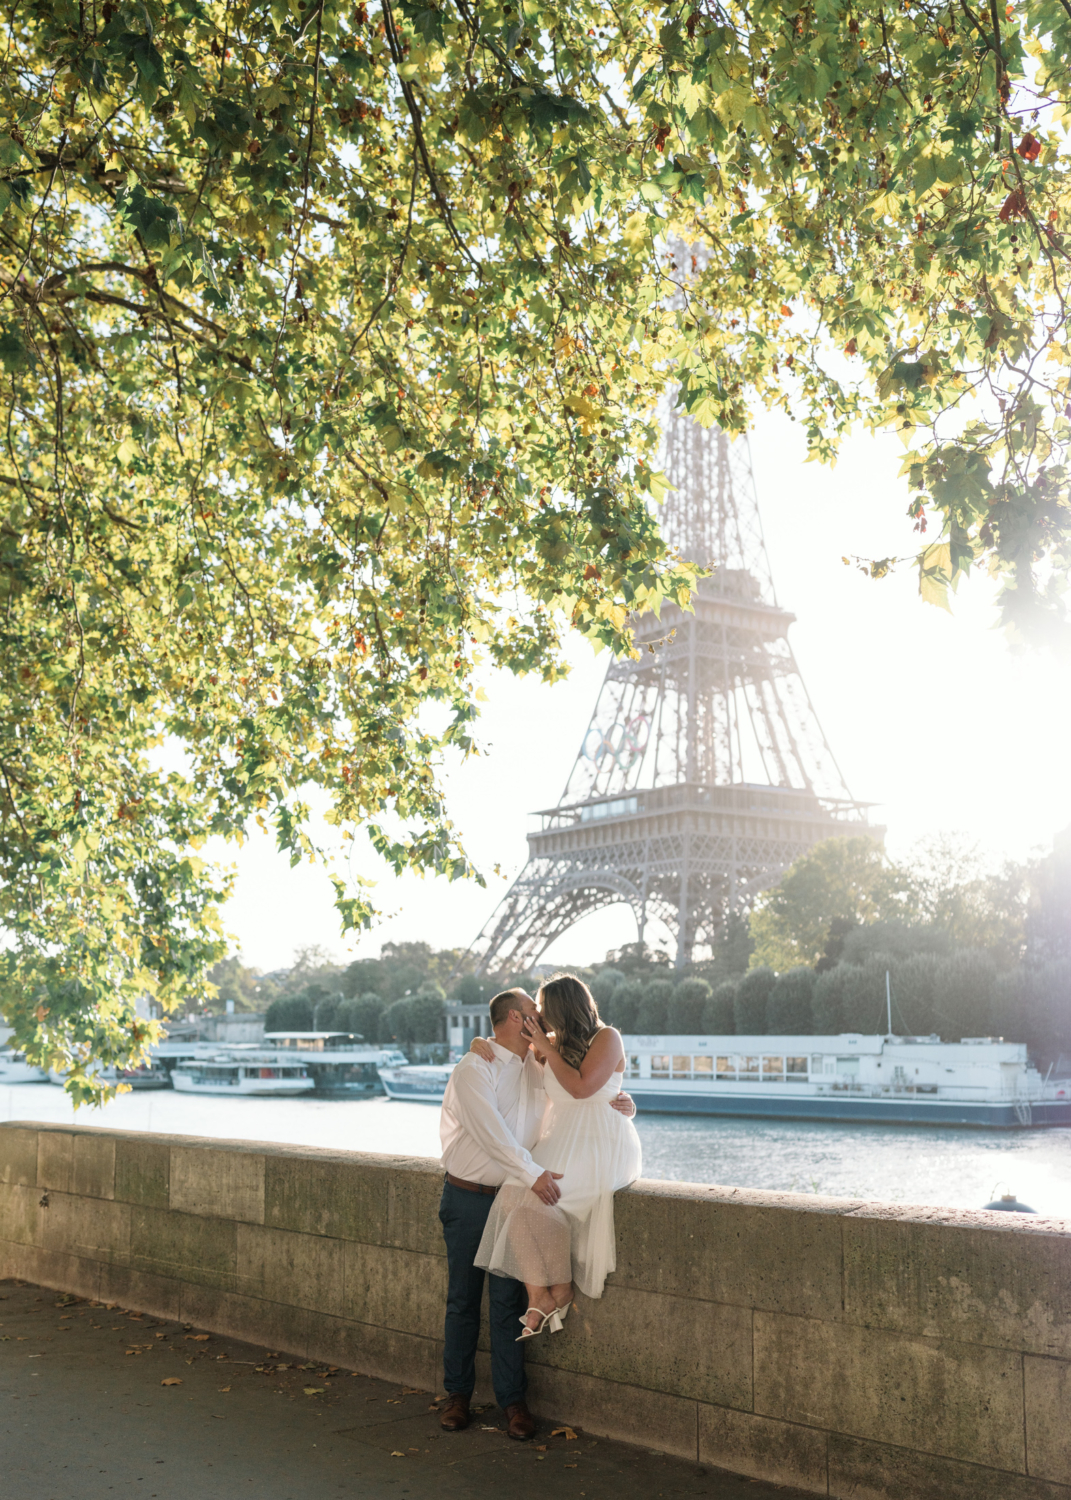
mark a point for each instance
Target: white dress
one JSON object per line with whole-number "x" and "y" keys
{"x": 597, "y": 1151}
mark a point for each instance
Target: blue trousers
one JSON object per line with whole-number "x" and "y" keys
{"x": 463, "y": 1216}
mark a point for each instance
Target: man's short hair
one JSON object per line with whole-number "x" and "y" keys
{"x": 503, "y": 1003}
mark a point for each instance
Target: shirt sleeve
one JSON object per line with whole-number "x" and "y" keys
{"x": 476, "y": 1108}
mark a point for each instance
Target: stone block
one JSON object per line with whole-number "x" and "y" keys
{"x": 268, "y": 1325}
{"x": 55, "y": 1159}
{"x": 183, "y": 1246}
{"x": 874, "y": 1471}
{"x": 225, "y": 1182}
{"x": 93, "y": 1164}
{"x": 304, "y": 1269}
{"x": 627, "y": 1413}
{"x": 65, "y": 1273}
{"x": 142, "y": 1171}
{"x": 960, "y": 1279}
{"x": 1048, "y": 1418}
{"x": 159, "y": 1296}
{"x": 780, "y": 1252}
{"x": 957, "y": 1400}
{"x": 383, "y": 1352}
{"x": 413, "y": 1194}
{"x": 19, "y": 1214}
{"x": 395, "y": 1289}
{"x": 16, "y": 1261}
{"x": 762, "y": 1449}
{"x": 93, "y": 1228}
{"x": 18, "y": 1155}
{"x": 699, "y": 1350}
{"x": 341, "y": 1194}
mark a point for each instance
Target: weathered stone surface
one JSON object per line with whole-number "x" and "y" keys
{"x": 341, "y": 1194}
{"x": 955, "y": 1399}
{"x": 142, "y": 1171}
{"x": 93, "y": 1228}
{"x": 18, "y": 1155}
{"x": 384, "y": 1352}
{"x": 55, "y": 1159}
{"x": 762, "y": 1449}
{"x": 19, "y": 1214}
{"x": 396, "y": 1289}
{"x": 221, "y": 1181}
{"x": 66, "y": 1273}
{"x": 872, "y": 1471}
{"x": 183, "y": 1246}
{"x": 160, "y": 1296}
{"x": 609, "y": 1409}
{"x": 686, "y": 1348}
{"x": 1048, "y": 1418}
{"x": 413, "y": 1194}
{"x": 303, "y": 1269}
{"x": 732, "y": 1246}
{"x": 985, "y": 1283}
{"x": 280, "y": 1328}
{"x": 93, "y": 1164}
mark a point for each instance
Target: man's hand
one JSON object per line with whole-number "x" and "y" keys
{"x": 624, "y": 1104}
{"x": 546, "y": 1188}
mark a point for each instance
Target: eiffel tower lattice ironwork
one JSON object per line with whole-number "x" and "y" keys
{"x": 704, "y": 771}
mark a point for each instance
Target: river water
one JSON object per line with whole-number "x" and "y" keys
{"x": 913, "y": 1165}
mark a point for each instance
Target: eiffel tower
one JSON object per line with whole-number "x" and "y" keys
{"x": 704, "y": 772}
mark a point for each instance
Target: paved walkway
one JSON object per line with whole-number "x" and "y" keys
{"x": 97, "y": 1403}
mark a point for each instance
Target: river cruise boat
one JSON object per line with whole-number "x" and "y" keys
{"x": 423, "y": 1082}
{"x": 339, "y": 1063}
{"x": 903, "y": 1080}
{"x": 234, "y": 1073}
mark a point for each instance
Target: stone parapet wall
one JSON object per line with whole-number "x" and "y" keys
{"x": 853, "y": 1349}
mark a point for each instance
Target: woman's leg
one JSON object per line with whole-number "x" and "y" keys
{"x": 538, "y": 1296}
{"x": 562, "y": 1292}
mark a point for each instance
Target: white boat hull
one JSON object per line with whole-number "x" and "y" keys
{"x": 256, "y": 1088}
{"x": 420, "y": 1085}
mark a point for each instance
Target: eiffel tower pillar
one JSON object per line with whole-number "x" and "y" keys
{"x": 704, "y": 772}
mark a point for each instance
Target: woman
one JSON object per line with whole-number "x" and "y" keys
{"x": 594, "y": 1148}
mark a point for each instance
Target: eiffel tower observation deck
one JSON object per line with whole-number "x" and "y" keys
{"x": 704, "y": 771}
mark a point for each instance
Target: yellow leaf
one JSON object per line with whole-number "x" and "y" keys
{"x": 635, "y": 230}
{"x": 397, "y": 1453}
{"x": 568, "y": 1431}
{"x": 314, "y": 1390}
{"x": 171, "y": 1380}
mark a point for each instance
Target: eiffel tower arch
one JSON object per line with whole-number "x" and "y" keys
{"x": 704, "y": 772}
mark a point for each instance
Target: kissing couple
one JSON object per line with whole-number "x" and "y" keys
{"x": 537, "y": 1137}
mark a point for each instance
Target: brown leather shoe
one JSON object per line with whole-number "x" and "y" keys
{"x": 520, "y": 1423}
{"x": 455, "y": 1414}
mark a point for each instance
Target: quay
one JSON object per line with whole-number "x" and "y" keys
{"x": 86, "y": 1416}
{"x": 838, "y": 1347}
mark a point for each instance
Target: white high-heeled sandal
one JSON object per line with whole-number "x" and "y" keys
{"x": 553, "y": 1318}
{"x": 563, "y": 1313}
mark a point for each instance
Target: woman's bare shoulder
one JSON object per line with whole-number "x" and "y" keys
{"x": 605, "y": 1037}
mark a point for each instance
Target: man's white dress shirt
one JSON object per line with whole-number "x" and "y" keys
{"x": 491, "y": 1116}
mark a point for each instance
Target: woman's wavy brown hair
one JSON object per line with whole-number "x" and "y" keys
{"x": 569, "y": 1010}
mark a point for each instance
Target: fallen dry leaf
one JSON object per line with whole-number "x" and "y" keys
{"x": 198, "y": 1337}
{"x": 397, "y": 1453}
{"x": 541, "y": 1447}
{"x": 568, "y": 1466}
{"x": 412, "y": 1392}
{"x": 222, "y": 1388}
{"x": 314, "y": 1390}
{"x": 570, "y": 1435}
{"x": 171, "y": 1380}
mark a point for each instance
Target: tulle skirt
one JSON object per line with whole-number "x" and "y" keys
{"x": 597, "y": 1151}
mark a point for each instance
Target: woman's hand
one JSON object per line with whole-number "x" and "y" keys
{"x": 482, "y": 1048}
{"x": 541, "y": 1044}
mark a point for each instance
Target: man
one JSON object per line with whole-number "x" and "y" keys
{"x": 490, "y": 1120}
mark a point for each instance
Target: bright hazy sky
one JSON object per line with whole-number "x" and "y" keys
{"x": 932, "y": 717}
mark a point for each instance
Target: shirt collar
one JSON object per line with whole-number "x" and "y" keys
{"x": 503, "y": 1053}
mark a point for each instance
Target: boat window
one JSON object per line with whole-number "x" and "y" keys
{"x": 703, "y": 1067}
{"x": 660, "y": 1066}
{"x": 634, "y": 1065}
{"x": 748, "y": 1069}
{"x": 682, "y": 1067}
{"x": 796, "y": 1067}
{"x": 849, "y": 1066}
{"x": 726, "y": 1067}
{"x": 773, "y": 1068}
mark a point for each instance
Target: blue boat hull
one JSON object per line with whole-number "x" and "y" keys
{"x": 868, "y": 1111}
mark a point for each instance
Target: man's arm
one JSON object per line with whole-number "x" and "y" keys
{"x": 479, "y": 1114}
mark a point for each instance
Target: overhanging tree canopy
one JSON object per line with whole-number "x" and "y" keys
{"x": 332, "y": 338}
